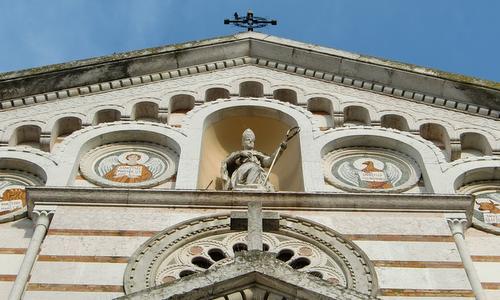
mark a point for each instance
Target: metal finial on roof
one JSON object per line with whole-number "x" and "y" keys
{"x": 250, "y": 21}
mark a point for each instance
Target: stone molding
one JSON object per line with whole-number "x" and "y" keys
{"x": 226, "y": 199}
{"x": 256, "y": 61}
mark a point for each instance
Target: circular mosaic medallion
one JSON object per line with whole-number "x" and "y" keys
{"x": 486, "y": 215}
{"x": 129, "y": 165}
{"x": 13, "y": 195}
{"x": 370, "y": 169}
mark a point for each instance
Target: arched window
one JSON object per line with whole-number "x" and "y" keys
{"x": 356, "y": 115}
{"x": 64, "y": 127}
{"x": 285, "y": 95}
{"x": 395, "y": 121}
{"x": 106, "y": 116}
{"x": 145, "y": 111}
{"x": 179, "y": 106}
{"x": 322, "y": 110}
{"x": 251, "y": 89}
{"x": 438, "y": 135}
{"x": 216, "y": 93}
{"x": 26, "y": 135}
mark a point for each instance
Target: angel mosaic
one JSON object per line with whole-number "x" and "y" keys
{"x": 487, "y": 208}
{"x": 368, "y": 172}
{"x": 130, "y": 167}
{"x": 12, "y": 196}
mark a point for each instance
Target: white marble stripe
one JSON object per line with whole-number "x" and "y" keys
{"x": 410, "y": 251}
{"x": 78, "y": 273}
{"x": 422, "y": 278}
{"x": 91, "y": 245}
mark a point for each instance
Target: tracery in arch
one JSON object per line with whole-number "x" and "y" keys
{"x": 203, "y": 243}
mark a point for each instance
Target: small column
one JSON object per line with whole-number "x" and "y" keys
{"x": 457, "y": 223}
{"x": 43, "y": 215}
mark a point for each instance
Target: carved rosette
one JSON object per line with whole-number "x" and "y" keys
{"x": 201, "y": 244}
{"x": 370, "y": 170}
{"x": 132, "y": 165}
{"x": 13, "y": 194}
{"x": 486, "y": 214}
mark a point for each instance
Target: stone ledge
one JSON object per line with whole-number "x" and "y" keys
{"x": 74, "y": 196}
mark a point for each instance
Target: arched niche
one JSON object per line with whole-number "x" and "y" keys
{"x": 179, "y": 106}
{"x": 395, "y": 122}
{"x": 427, "y": 158}
{"x": 106, "y": 116}
{"x": 474, "y": 144}
{"x": 251, "y": 89}
{"x": 222, "y": 135}
{"x": 478, "y": 174}
{"x": 285, "y": 95}
{"x": 356, "y": 115}
{"x": 438, "y": 135}
{"x": 64, "y": 127}
{"x": 213, "y": 94}
{"x": 322, "y": 111}
{"x": 22, "y": 165}
{"x": 26, "y": 135}
{"x": 72, "y": 150}
{"x": 145, "y": 111}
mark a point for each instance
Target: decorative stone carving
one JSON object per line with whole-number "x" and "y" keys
{"x": 129, "y": 165}
{"x": 13, "y": 195}
{"x": 205, "y": 243}
{"x": 370, "y": 169}
{"x": 244, "y": 169}
{"x": 486, "y": 215}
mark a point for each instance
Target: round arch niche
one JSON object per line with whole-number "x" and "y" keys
{"x": 222, "y": 135}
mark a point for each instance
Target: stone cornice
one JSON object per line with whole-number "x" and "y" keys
{"x": 371, "y": 86}
{"x": 144, "y": 66}
{"x": 74, "y": 196}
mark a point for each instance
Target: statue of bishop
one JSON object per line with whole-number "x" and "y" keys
{"x": 244, "y": 169}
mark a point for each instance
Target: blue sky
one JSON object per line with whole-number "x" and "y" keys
{"x": 458, "y": 36}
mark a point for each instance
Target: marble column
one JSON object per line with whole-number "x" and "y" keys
{"x": 42, "y": 217}
{"x": 457, "y": 225}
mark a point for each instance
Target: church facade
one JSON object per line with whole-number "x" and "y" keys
{"x": 248, "y": 167}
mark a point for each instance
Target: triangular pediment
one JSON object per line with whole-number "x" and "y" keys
{"x": 252, "y": 275}
{"x": 339, "y": 67}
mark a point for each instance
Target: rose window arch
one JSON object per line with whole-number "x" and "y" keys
{"x": 198, "y": 245}
{"x": 203, "y": 254}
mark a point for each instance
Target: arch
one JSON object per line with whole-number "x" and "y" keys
{"x": 145, "y": 111}
{"x": 215, "y": 93}
{"x": 74, "y": 146}
{"x": 26, "y": 135}
{"x": 179, "y": 105}
{"x": 474, "y": 144}
{"x": 251, "y": 89}
{"x": 349, "y": 260}
{"x": 322, "y": 110}
{"x": 35, "y": 162}
{"x": 208, "y": 114}
{"x": 356, "y": 115}
{"x": 286, "y": 95}
{"x": 438, "y": 135}
{"x": 107, "y": 115}
{"x": 471, "y": 171}
{"x": 63, "y": 127}
{"x": 427, "y": 157}
{"x": 394, "y": 121}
